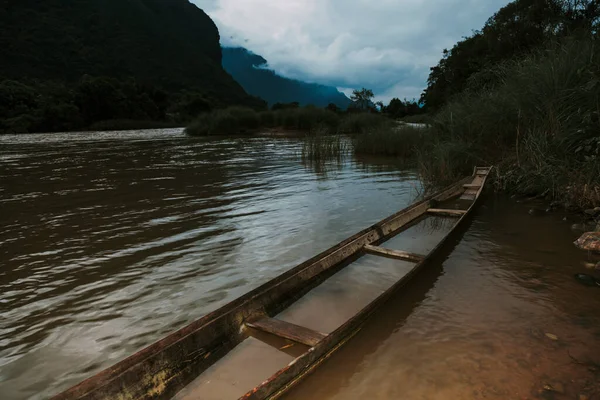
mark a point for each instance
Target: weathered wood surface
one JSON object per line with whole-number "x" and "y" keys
{"x": 289, "y": 376}
{"x": 165, "y": 367}
{"x": 395, "y": 254}
{"x": 447, "y": 212}
{"x": 287, "y": 330}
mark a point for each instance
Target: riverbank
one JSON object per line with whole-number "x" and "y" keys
{"x": 536, "y": 120}
{"x": 310, "y": 120}
{"x": 130, "y": 226}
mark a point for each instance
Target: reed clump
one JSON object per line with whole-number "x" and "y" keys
{"x": 536, "y": 119}
{"x": 238, "y": 120}
{"x": 400, "y": 141}
{"x": 321, "y": 146}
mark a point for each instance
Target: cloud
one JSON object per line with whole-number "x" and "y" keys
{"x": 385, "y": 45}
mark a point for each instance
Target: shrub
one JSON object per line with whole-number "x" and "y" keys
{"x": 402, "y": 141}
{"x": 536, "y": 119}
{"x": 362, "y": 122}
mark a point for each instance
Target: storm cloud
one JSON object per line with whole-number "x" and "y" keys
{"x": 384, "y": 45}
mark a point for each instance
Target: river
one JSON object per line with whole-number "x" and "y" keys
{"x": 110, "y": 241}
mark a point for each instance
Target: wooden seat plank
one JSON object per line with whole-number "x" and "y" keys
{"x": 286, "y": 330}
{"x": 395, "y": 254}
{"x": 447, "y": 212}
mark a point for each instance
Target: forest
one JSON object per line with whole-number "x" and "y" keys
{"x": 69, "y": 64}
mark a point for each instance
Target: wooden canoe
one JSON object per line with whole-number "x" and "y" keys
{"x": 166, "y": 367}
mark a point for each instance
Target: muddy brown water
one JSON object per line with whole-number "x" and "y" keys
{"x": 110, "y": 241}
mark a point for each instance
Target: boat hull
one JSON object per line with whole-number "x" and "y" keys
{"x": 169, "y": 365}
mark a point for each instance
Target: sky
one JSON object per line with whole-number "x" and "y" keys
{"x": 384, "y": 45}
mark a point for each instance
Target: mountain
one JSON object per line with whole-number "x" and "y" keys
{"x": 169, "y": 43}
{"x": 250, "y": 71}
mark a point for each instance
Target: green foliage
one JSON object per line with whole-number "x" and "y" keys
{"x": 169, "y": 43}
{"x": 235, "y": 120}
{"x": 400, "y": 141}
{"x": 417, "y": 119}
{"x": 230, "y": 121}
{"x": 400, "y": 109}
{"x": 284, "y": 106}
{"x": 362, "y": 98}
{"x": 363, "y": 122}
{"x": 55, "y": 107}
{"x": 322, "y": 146}
{"x": 70, "y": 64}
{"x": 539, "y": 125}
{"x": 515, "y": 30}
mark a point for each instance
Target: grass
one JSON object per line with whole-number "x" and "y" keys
{"x": 401, "y": 141}
{"x": 229, "y": 121}
{"x": 237, "y": 120}
{"x": 417, "y": 119}
{"x": 537, "y": 122}
{"x": 321, "y": 146}
{"x": 363, "y": 122}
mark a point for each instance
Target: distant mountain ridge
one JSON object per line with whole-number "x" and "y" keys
{"x": 251, "y": 71}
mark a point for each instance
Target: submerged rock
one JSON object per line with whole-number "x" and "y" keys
{"x": 589, "y": 241}
{"x": 537, "y": 211}
{"x": 587, "y": 280}
{"x": 593, "y": 211}
{"x": 586, "y": 227}
{"x": 589, "y": 265}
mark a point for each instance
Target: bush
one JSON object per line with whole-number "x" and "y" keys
{"x": 230, "y": 121}
{"x": 536, "y": 119}
{"x": 237, "y": 120}
{"x": 403, "y": 141}
{"x": 363, "y": 122}
{"x": 129, "y": 124}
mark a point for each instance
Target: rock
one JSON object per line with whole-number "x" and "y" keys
{"x": 589, "y": 241}
{"x": 593, "y": 211}
{"x": 536, "y": 211}
{"x": 554, "y": 387}
{"x": 555, "y": 204}
{"x": 581, "y": 227}
{"x": 587, "y": 280}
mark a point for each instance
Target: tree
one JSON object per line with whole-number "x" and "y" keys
{"x": 516, "y": 29}
{"x": 332, "y": 107}
{"x": 362, "y": 98}
{"x": 396, "y": 108}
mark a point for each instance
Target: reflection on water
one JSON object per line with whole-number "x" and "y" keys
{"x": 481, "y": 324}
{"x": 110, "y": 241}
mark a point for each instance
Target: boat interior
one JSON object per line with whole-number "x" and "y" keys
{"x": 263, "y": 343}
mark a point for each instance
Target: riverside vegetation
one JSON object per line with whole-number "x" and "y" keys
{"x": 522, "y": 94}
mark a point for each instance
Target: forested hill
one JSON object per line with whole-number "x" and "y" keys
{"x": 249, "y": 70}
{"x": 170, "y": 43}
